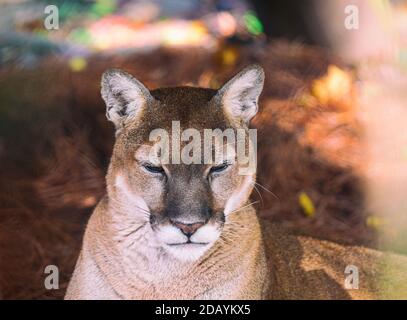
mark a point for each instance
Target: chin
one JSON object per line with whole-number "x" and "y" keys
{"x": 188, "y": 252}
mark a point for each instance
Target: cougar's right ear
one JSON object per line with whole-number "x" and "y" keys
{"x": 124, "y": 95}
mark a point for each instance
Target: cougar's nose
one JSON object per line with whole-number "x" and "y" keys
{"x": 188, "y": 229}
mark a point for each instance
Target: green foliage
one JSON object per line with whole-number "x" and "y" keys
{"x": 252, "y": 23}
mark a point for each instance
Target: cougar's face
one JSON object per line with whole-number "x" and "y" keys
{"x": 185, "y": 200}
{"x": 186, "y": 203}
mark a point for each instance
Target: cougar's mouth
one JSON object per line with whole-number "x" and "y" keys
{"x": 188, "y": 243}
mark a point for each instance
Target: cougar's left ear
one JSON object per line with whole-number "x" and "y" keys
{"x": 124, "y": 95}
{"x": 240, "y": 95}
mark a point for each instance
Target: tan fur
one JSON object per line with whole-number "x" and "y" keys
{"x": 122, "y": 258}
{"x": 235, "y": 268}
{"x": 249, "y": 262}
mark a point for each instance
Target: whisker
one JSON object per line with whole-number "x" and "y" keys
{"x": 241, "y": 208}
{"x": 144, "y": 211}
{"x": 263, "y": 187}
{"x": 258, "y": 192}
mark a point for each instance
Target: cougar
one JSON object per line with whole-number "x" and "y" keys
{"x": 187, "y": 230}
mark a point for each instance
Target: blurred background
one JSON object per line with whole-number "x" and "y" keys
{"x": 332, "y": 153}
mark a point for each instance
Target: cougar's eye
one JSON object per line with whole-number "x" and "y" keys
{"x": 153, "y": 169}
{"x": 220, "y": 168}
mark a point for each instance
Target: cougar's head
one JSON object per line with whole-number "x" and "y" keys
{"x": 184, "y": 157}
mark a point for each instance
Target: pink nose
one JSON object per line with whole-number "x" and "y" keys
{"x": 188, "y": 229}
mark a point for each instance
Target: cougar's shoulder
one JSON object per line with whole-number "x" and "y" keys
{"x": 308, "y": 268}
{"x": 88, "y": 280}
